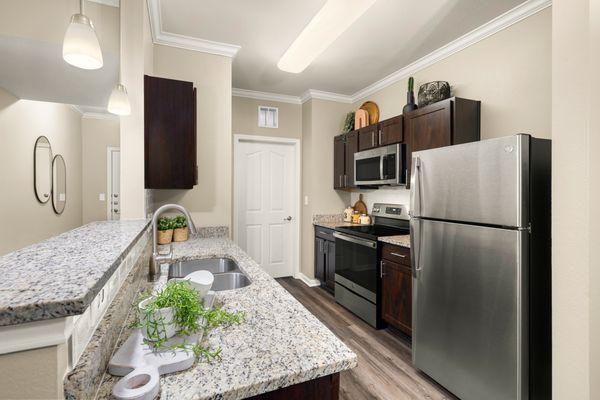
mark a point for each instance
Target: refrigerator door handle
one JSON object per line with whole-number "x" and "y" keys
{"x": 415, "y": 245}
{"x": 415, "y": 191}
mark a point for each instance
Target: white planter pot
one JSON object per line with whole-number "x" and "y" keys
{"x": 158, "y": 324}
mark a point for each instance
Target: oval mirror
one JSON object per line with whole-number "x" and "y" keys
{"x": 59, "y": 184}
{"x": 42, "y": 169}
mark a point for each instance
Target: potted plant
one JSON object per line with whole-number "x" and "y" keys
{"x": 165, "y": 230}
{"x": 178, "y": 309}
{"x": 175, "y": 309}
{"x": 180, "y": 229}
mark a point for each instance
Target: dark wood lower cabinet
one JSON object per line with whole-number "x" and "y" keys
{"x": 325, "y": 257}
{"x": 396, "y": 287}
{"x": 324, "y": 388}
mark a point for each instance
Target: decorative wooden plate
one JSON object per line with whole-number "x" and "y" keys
{"x": 373, "y": 111}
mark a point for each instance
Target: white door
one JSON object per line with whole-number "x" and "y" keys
{"x": 266, "y": 180}
{"x": 114, "y": 183}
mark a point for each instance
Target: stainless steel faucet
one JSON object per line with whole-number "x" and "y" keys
{"x": 157, "y": 258}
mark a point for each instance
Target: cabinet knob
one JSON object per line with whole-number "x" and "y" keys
{"x": 289, "y": 218}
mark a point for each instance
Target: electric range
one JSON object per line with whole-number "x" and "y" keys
{"x": 357, "y": 252}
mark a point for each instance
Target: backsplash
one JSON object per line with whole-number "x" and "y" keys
{"x": 398, "y": 195}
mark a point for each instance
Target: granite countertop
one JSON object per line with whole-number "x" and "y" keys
{"x": 398, "y": 240}
{"x": 61, "y": 276}
{"x": 279, "y": 344}
{"x": 331, "y": 221}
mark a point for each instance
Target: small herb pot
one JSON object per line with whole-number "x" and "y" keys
{"x": 158, "y": 324}
{"x": 180, "y": 234}
{"x": 165, "y": 237}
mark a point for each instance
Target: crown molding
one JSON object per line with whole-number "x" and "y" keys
{"x": 159, "y": 36}
{"x": 322, "y": 95}
{"x": 486, "y": 30}
{"x": 93, "y": 112}
{"x": 252, "y": 94}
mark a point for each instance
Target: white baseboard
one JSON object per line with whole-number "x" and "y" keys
{"x": 308, "y": 281}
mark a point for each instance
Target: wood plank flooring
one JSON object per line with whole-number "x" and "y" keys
{"x": 384, "y": 360}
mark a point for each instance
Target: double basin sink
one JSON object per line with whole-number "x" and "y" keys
{"x": 227, "y": 273}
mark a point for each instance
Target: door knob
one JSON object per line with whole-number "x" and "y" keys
{"x": 288, "y": 218}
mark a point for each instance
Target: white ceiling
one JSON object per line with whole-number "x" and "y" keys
{"x": 32, "y": 66}
{"x": 389, "y": 36}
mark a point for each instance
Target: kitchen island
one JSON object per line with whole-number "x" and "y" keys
{"x": 279, "y": 345}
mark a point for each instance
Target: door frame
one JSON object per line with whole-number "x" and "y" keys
{"x": 296, "y": 145}
{"x": 109, "y": 151}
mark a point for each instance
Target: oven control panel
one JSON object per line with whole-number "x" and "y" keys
{"x": 396, "y": 211}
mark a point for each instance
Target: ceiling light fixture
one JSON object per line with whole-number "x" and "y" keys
{"x": 80, "y": 45}
{"x": 118, "y": 103}
{"x": 326, "y": 26}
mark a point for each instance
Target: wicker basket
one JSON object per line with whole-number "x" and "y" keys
{"x": 165, "y": 237}
{"x": 180, "y": 234}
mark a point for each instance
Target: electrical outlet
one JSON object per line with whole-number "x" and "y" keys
{"x": 102, "y": 197}
{"x": 305, "y": 200}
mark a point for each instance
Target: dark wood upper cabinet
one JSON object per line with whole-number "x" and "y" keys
{"x": 391, "y": 131}
{"x": 368, "y": 137}
{"x": 344, "y": 147}
{"x": 169, "y": 134}
{"x": 351, "y": 148}
{"x": 339, "y": 161}
{"x": 447, "y": 122}
{"x": 396, "y": 295}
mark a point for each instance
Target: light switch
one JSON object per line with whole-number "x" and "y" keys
{"x": 102, "y": 197}
{"x": 305, "y": 200}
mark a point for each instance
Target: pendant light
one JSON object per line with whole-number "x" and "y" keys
{"x": 80, "y": 45}
{"x": 118, "y": 103}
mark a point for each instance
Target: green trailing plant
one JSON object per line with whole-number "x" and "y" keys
{"x": 179, "y": 222}
{"x": 188, "y": 312}
{"x": 164, "y": 224}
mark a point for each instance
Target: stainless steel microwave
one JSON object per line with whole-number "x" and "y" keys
{"x": 381, "y": 166}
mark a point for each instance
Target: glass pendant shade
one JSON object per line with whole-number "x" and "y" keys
{"x": 80, "y": 46}
{"x": 119, "y": 101}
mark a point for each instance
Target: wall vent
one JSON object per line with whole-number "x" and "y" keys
{"x": 268, "y": 117}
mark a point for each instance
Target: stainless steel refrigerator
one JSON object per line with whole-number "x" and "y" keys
{"x": 480, "y": 243}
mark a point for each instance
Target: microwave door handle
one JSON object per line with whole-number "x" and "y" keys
{"x": 381, "y": 167}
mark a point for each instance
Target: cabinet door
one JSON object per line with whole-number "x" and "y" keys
{"x": 169, "y": 134}
{"x": 330, "y": 265}
{"x": 320, "y": 259}
{"x": 339, "y": 163}
{"x": 368, "y": 137}
{"x": 351, "y": 148}
{"x": 396, "y": 295}
{"x": 430, "y": 127}
{"x": 390, "y": 131}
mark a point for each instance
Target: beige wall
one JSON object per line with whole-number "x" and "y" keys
{"x": 209, "y": 201}
{"x": 245, "y": 118}
{"x": 133, "y": 66}
{"x": 575, "y": 197}
{"x": 18, "y": 380}
{"x": 321, "y": 121}
{"x": 96, "y": 136}
{"x": 24, "y": 219}
{"x": 509, "y": 72}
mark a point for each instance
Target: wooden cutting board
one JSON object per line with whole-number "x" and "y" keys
{"x": 361, "y": 118}
{"x": 360, "y": 205}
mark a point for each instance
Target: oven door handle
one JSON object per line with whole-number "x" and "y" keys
{"x": 362, "y": 242}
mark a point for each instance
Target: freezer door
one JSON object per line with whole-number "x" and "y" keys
{"x": 469, "y": 308}
{"x": 482, "y": 182}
